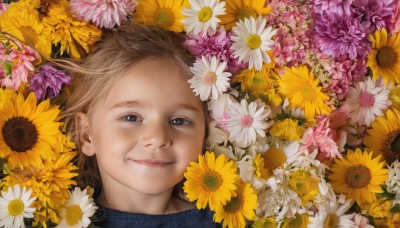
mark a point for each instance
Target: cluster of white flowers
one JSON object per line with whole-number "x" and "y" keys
{"x": 393, "y": 182}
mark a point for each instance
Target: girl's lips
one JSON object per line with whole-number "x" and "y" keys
{"x": 152, "y": 162}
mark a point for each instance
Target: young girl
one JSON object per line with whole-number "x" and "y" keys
{"x": 137, "y": 126}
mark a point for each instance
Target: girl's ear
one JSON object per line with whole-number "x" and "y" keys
{"x": 85, "y": 139}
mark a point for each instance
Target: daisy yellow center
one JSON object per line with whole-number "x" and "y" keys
{"x": 386, "y": 57}
{"x": 246, "y": 121}
{"x": 20, "y": 134}
{"x": 164, "y": 17}
{"x": 30, "y": 36}
{"x": 210, "y": 78}
{"x": 205, "y": 14}
{"x": 391, "y": 146}
{"x": 366, "y": 100}
{"x": 274, "y": 158}
{"x": 309, "y": 93}
{"x": 253, "y": 41}
{"x": 245, "y": 12}
{"x": 331, "y": 221}
{"x": 211, "y": 180}
{"x": 15, "y": 207}
{"x": 73, "y": 215}
{"x": 358, "y": 176}
{"x": 234, "y": 205}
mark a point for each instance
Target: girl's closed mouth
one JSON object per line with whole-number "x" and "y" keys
{"x": 152, "y": 162}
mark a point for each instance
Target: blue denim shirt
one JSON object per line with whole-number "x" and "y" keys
{"x": 191, "y": 218}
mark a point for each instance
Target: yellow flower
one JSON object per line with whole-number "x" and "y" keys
{"x": 393, "y": 220}
{"x": 239, "y": 208}
{"x": 5, "y": 96}
{"x": 240, "y": 9}
{"x": 377, "y": 209}
{"x": 395, "y": 97}
{"x": 384, "y": 58}
{"x": 211, "y": 180}
{"x": 29, "y": 132}
{"x": 265, "y": 222}
{"x": 299, "y": 221}
{"x": 261, "y": 171}
{"x": 73, "y": 36}
{"x": 299, "y": 86}
{"x": 22, "y": 21}
{"x": 287, "y": 129}
{"x": 358, "y": 176}
{"x": 273, "y": 159}
{"x": 161, "y": 13}
{"x": 305, "y": 185}
{"x": 384, "y": 137}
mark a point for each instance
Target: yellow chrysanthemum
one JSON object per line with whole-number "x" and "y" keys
{"x": 299, "y": 221}
{"x": 384, "y": 137}
{"x": 73, "y": 36}
{"x": 261, "y": 84}
{"x": 261, "y": 171}
{"x": 394, "y": 97}
{"x": 239, "y": 209}
{"x": 161, "y": 13}
{"x": 29, "y": 132}
{"x": 211, "y": 180}
{"x": 49, "y": 184}
{"x": 305, "y": 185}
{"x": 23, "y": 22}
{"x": 240, "y": 9}
{"x": 263, "y": 222}
{"x": 384, "y": 58}
{"x": 287, "y": 129}
{"x": 378, "y": 209}
{"x": 299, "y": 86}
{"x": 358, "y": 176}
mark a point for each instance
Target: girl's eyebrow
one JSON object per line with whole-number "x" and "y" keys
{"x": 186, "y": 106}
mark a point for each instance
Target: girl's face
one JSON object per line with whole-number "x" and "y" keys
{"x": 147, "y": 130}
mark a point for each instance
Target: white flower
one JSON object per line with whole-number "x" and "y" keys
{"x": 77, "y": 211}
{"x": 209, "y": 78}
{"x": 203, "y": 15}
{"x": 393, "y": 181}
{"x": 251, "y": 41}
{"x": 246, "y": 121}
{"x": 366, "y": 101}
{"x": 14, "y": 206}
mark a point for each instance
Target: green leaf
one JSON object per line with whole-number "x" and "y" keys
{"x": 395, "y": 208}
{"x": 7, "y": 67}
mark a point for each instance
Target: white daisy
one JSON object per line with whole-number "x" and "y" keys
{"x": 14, "y": 206}
{"x": 78, "y": 210}
{"x": 366, "y": 101}
{"x": 203, "y": 15}
{"x": 246, "y": 121}
{"x": 252, "y": 40}
{"x": 209, "y": 78}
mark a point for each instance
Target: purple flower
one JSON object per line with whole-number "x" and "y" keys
{"x": 375, "y": 14}
{"x": 341, "y": 7}
{"x": 218, "y": 45}
{"x": 48, "y": 82}
{"x": 337, "y": 35}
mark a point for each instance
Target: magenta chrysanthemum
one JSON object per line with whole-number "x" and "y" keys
{"x": 103, "y": 13}
{"x": 375, "y": 14}
{"x": 341, "y": 7}
{"x": 337, "y": 35}
{"x": 217, "y": 45}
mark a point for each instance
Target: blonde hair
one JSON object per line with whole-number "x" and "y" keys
{"x": 94, "y": 76}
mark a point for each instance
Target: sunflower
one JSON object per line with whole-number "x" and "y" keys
{"x": 240, "y": 9}
{"x": 161, "y": 13}
{"x": 358, "y": 176}
{"x": 384, "y": 137}
{"x": 239, "y": 208}
{"x": 28, "y": 132}
{"x": 384, "y": 58}
{"x": 211, "y": 180}
{"x": 299, "y": 86}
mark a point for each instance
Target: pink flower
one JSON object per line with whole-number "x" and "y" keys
{"x": 395, "y": 22}
{"x": 103, "y": 13}
{"x": 3, "y": 7}
{"x": 338, "y": 6}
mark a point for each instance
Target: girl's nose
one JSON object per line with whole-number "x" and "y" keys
{"x": 156, "y": 135}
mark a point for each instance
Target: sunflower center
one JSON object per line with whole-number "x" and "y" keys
{"x": 357, "y": 176}
{"x": 274, "y": 158}
{"x": 205, "y": 14}
{"x": 309, "y": 93}
{"x": 396, "y": 144}
{"x": 245, "y": 12}
{"x": 20, "y": 134}
{"x": 15, "y": 207}
{"x": 391, "y": 146}
{"x": 210, "y": 78}
{"x": 366, "y": 100}
{"x": 164, "y": 17}
{"x": 331, "y": 221}
{"x": 211, "y": 180}
{"x": 253, "y": 41}
{"x": 73, "y": 214}
{"x": 234, "y": 205}
{"x": 386, "y": 57}
{"x": 246, "y": 121}
{"x": 30, "y": 36}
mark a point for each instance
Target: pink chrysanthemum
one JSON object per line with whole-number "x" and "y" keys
{"x": 3, "y": 7}
{"x": 218, "y": 45}
{"x": 375, "y": 14}
{"x": 103, "y": 13}
{"x": 338, "y": 35}
{"x": 395, "y": 21}
{"x": 341, "y": 7}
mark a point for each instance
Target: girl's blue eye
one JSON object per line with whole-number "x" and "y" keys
{"x": 131, "y": 118}
{"x": 178, "y": 121}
